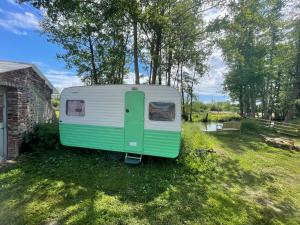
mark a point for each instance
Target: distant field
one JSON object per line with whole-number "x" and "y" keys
{"x": 216, "y": 116}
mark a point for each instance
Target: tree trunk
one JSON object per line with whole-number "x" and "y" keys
{"x": 151, "y": 63}
{"x": 135, "y": 52}
{"x": 247, "y": 102}
{"x": 252, "y": 102}
{"x": 170, "y": 55}
{"x": 150, "y": 74}
{"x": 156, "y": 55}
{"x": 296, "y": 86}
{"x": 276, "y": 96}
{"x": 191, "y": 96}
{"x": 124, "y": 59}
{"x": 241, "y": 102}
{"x": 268, "y": 108}
{"x": 94, "y": 71}
{"x": 176, "y": 77}
{"x": 159, "y": 67}
{"x": 265, "y": 100}
{"x": 182, "y": 95}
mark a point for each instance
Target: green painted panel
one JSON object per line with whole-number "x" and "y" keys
{"x": 156, "y": 143}
{"x": 88, "y": 136}
{"x": 162, "y": 143}
{"x": 134, "y": 121}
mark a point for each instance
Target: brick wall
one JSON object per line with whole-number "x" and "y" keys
{"x": 28, "y": 103}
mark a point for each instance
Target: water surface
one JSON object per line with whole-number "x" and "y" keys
{"x": 208, "y": 126}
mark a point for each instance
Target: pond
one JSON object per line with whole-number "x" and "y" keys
{"x": 208, "y": 126}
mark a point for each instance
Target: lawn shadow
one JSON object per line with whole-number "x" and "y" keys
{"x": 83, "y": 187}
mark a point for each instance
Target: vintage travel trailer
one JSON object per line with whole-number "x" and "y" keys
{"x": 134, "y": 119}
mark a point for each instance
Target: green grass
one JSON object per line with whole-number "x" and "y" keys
{"x": 295, "y": 121}
{"x": 216, "y": 116}
{"x": 244, "y": 182}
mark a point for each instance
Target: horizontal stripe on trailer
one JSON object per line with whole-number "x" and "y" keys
{"x": 156, "y": 142}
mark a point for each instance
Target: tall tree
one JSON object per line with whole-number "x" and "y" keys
{"x": 244, "y": 53}
{"x": 94, "y": 35}
{"x": 295, "y": 93}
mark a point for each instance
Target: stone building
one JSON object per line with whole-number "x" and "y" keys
{"x": 25, "y": 100}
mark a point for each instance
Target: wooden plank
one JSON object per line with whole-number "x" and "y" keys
{"x": 280, "y": 127}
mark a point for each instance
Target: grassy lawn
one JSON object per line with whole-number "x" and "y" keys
{"x": 244, "y": 182}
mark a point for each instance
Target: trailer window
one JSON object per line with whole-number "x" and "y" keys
{"x": 75, "y": 108}
{"x": 161, "y": 111}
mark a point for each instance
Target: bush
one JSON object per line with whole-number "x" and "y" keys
{"x": 56, "y": 102}
{"x": 42, "y": 137}
{"x": 297, "y": 105}
{"x": 194, "y": 139}
{"x": 249, "y": 126}
{"x": 218, "y": 117}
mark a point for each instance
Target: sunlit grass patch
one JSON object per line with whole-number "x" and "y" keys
{"x": 244, "y": 182}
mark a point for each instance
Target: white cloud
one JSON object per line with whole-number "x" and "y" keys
{"x": 130, "y": 78}
{"x": 13, "y": 2}
{"x": 213, "y": 13}
{"x": 18, "y": 23}
{"x": 62, "y": 79}
{"x": 212, "y": 83}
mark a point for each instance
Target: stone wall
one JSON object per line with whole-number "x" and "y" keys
{"x": 28, "y": 103}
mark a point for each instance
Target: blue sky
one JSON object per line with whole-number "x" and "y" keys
{"x": 22, "y": 41}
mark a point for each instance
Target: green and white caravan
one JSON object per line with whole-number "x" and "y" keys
{"x": 134, "y": 119}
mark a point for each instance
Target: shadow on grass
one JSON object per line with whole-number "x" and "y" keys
{"x": 83, "y": 187}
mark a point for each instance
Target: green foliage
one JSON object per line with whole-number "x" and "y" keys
{"x": 250, "y": 126}
{"x": 56, "y": 102}
{"x": 297, "y": 105}
{"x": 215, "y": 116}
{"x": 194, "y": 139}
{"x": 94, "y": 35}
{"x": 173, "y": 42}
{"x": 215, "y": 106}
{"x": 57, "y": 112}
{"x": 97, "y": 36}
{"x": 260, "y": 49}
{"x": 42, "y": 137}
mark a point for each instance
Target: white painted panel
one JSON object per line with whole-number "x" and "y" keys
{"x": 104, "y": 105}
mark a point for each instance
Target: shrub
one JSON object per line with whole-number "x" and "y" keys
{"x": 42, "y": 137}
{"x": 194, "y": 139}
{"x": 219, "y": 117}
{"x": 56, "y": 102}
{"x": 249, "y": 126}
{"x": 297, "y": 105}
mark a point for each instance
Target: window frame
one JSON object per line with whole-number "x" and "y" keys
{"x": 81, "y": 101}
{"x": 171, "y": 103}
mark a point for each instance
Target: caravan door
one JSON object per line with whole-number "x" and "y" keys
{"x": 134, "y": 121}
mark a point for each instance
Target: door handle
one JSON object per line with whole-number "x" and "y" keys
{"x": 127, "y": 110}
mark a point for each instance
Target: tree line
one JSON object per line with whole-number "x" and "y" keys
{"x": 260, "y": 40}
{"x": 105, "y": 39}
